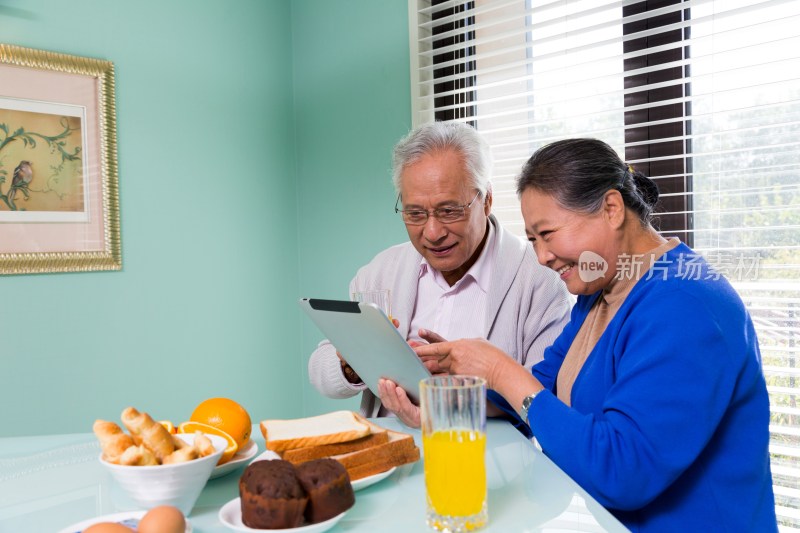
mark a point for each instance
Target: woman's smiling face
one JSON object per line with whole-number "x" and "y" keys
{"x": 560, "y": 236}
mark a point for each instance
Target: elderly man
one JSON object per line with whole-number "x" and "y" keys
{"x": 461, "y": 275}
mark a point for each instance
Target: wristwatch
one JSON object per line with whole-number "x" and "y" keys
{"x": 526, "y": 404}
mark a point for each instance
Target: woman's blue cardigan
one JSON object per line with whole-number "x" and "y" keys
{"x": 668, "y": 427}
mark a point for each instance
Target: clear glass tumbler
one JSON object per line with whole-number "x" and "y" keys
{"x": 454, "y": 445}
{"x": 380, "y": 297}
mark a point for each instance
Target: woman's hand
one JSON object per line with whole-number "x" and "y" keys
{"x": 476, "y": 357}
{"x": 396, "y": 400}
{"x": 473, "y": 357}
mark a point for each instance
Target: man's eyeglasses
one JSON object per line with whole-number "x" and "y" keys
{"x": 445, "y": 215}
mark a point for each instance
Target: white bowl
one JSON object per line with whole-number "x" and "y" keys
{"x": 178, "y": 484}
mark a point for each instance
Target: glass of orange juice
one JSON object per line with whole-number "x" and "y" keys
{"x": 379, "y": 297}
{"x": 453, "y": 415}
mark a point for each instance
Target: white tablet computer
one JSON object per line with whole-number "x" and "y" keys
{"x": 369, "y": 342}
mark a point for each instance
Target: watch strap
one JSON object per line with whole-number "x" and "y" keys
{"x": 526, "y": 405}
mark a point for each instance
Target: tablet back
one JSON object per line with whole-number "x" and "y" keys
{"x": 369, "y": 343}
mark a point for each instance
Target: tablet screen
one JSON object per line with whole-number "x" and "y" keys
{"x": 369, "y": 342}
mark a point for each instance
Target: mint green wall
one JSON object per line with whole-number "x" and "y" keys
{"x": 208, "y": 216}
{"x": 352, "y": 103}
{"x": 254, "y": 161}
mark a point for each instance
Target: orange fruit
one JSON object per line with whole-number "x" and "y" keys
{"x": 192, "y": 427}
{"x": 227, "y": 415}
{"x": 168, "y": 425}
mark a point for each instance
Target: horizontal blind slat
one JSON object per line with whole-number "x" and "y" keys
{"x": 495, "y": 36}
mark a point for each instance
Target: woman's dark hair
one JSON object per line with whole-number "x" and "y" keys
{"x": 579, "y": 172}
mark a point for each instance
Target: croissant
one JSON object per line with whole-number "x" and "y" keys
{"x": 179, "y": 443}
{"x": 203, "y": 444}
{"x": 181, "y": 456}
{"x": 113, "y": 441}
{"x": 138, "y": 456}
{"x": 148, "y": 432}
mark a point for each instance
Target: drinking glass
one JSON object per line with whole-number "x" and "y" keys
{"x": 379, "y": 297}
{"x": 453, "y": 420}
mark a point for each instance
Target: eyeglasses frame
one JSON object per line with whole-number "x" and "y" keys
{"x": 433, "y": 211}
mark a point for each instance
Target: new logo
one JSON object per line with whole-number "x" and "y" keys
{"x": 591, "y": 266}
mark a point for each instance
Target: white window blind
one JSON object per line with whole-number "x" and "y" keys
{"x": 702, "y": 95}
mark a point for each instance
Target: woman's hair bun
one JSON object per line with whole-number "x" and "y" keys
{"x": 647, "y": 188}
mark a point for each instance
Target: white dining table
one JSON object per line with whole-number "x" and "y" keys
{"x": 48, "y": 483}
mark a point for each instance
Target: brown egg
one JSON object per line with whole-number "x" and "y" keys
{"x": 108, "y": 527}
{"x": 163, "y": 519}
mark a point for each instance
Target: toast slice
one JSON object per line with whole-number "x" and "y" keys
{"x": 376, "y": 467}
{"x": 335, "y": 427}
{"x": 399, "y": 450}
{"x": 301, "y": 455}
{"x": 362, "y": 447}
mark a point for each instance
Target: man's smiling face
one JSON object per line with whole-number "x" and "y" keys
{"x": 437, "y": 180}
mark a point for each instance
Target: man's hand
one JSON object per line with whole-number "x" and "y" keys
{"x": 431, "y": 338}
{"x": 396, "y": 400}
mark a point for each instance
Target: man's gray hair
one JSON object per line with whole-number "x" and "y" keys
{"x": 442, "y": 136}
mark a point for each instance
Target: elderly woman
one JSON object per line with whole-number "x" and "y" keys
{"x": 652, "y": 398}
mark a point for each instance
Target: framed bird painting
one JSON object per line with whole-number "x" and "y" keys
{"x": 59, "y": 203}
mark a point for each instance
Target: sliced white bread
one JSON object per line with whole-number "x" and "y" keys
{"x": 330, "y": 428}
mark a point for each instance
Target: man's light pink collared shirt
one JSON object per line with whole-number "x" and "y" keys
{"x": 459, "y": 311}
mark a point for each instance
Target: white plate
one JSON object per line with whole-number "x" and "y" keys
{"x": 132, "y": 516}
{"x": 236, "y": 461}
{"x": 359, "y": 484}
{"x": 267, "y": 455}
{"x": 365, "y": 482}
{"x": 231, "y": 516}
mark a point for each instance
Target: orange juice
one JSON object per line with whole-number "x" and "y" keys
{"x": 455, "y": 471}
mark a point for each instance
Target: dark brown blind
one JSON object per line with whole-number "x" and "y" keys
{"x": 658, "y": 110}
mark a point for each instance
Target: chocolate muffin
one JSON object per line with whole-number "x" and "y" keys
{"x": 271, "y": 495}
{"x": 328, "y": 487}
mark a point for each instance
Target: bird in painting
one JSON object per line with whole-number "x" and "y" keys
{"x": 23, "y": 175}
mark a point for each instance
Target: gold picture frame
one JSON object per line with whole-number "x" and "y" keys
{"x": 59, "y": 199}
